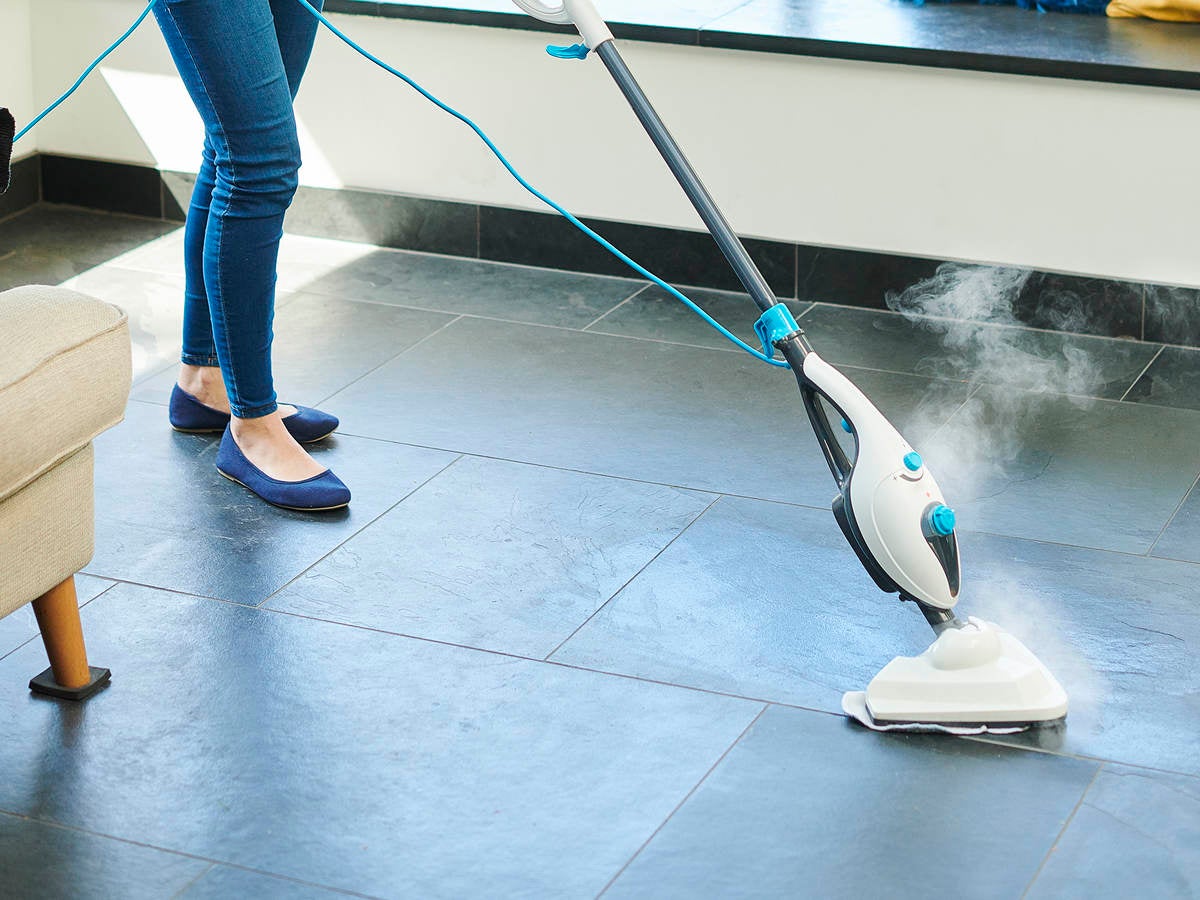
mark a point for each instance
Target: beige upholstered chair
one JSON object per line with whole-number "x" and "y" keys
{"x": 64, "y": 378}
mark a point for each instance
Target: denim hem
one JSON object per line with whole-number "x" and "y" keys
{"x": 189, "y": 359}
{"x": 254, "y": 412}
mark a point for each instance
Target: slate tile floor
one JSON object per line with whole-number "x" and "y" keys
{"x": 585, "y": 627}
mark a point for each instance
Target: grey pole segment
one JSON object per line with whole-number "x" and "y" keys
{"x": 726, "y": 238}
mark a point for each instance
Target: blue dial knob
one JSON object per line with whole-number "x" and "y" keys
{"x": 941, "y": 520}
{"x": 846, "y": 427}
{"x": 913, "y": 461}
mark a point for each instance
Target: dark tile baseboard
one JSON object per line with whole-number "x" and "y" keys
{"x": 26, "y": 187}
{"x": 862, "y": 278}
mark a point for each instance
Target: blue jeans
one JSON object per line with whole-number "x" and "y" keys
{"x": 241, "y": 61}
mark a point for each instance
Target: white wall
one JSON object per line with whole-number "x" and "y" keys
{"x": 16, "y": 68}
{"x": 1055, "y": 174}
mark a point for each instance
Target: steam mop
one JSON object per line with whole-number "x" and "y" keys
{"x": 888, "y": 505}
{"x": 975, "y": 676}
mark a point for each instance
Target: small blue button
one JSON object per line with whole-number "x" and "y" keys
{"x": 941, "y": 519}
{"x": 913, "y": 461}
{"x": 846, "y": 427}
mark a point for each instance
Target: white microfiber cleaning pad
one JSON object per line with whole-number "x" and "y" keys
{"x": 854, "y": 704}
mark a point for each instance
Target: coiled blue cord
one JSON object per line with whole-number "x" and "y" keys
{"x": 646, "y": 273}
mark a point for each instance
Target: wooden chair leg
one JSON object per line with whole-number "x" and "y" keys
{"x": 69, "y": 674}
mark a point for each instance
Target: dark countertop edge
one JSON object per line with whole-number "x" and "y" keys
{"x": 730, "y": 40}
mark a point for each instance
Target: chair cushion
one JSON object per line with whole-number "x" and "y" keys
{"x": 64, "y": 378}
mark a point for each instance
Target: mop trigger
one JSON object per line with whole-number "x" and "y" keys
{"x": 773, "y": 325}
{"x": 575, "y": 51}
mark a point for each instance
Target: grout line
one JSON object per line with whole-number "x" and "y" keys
{"x": 1061, "y": 832}
{"x": 1142, "y": 373}
{"x": 631, "y": 579}
{"x": 681, "y": 803}
{"x": 1174, "y": 513}
{"x": 355, "y": 381}
{"x": 351, "y": 537}
{"x": 187, "y": 887}
{"x": 642, "y": 289}
{"x": 50, "y": 823}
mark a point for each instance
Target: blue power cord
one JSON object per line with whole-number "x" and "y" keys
{"x": 646, "y": 273}
{"x": 86, "y": 72}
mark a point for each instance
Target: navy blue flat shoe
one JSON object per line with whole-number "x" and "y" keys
{"x": 189, "y": 415}
{"x": 317, "y": 494}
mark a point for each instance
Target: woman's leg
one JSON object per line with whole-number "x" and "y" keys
{"x": 229, "y": 57}
{"x": 295, "y": 30}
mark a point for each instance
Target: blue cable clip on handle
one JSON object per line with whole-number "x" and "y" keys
{"x": 575, "y": 51}
{"x": 773, "y": 325}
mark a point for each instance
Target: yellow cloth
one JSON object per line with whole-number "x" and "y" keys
{"x": 1166, "y": 10}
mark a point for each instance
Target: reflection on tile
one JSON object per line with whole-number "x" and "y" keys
{"x": 1173, "y": 379}
{"x": 809, "y": 805}
{"x": 48, "y": 862}
{"x": 21, "y": 624}
{"x": 1181, "y": 538}
{"x": 513, "y": 557}
{"x": 1121, "y": 633}
{"x": 322, "y": 344}
{"x": 477, "y": 288}
{"x": 224, "y": 882}
{"x": 658, "y": 316}
{"x": 1137, "y": 834}
{"x": 53, "y": 243}
{"x": 430, "y": 770}
{"x": 1092, "y": 473}
{"x": 202, "y": 533}
{"x": 658, "y": 412}
{"x": 155, "y": 307}
{"x": 707, "y": 613}
{"x": 994, "y": 354}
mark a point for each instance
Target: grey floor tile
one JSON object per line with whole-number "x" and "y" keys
{"x": 496, "y": 555}
{"x": 994, "y": 354}
{"x": 620, "y": 406}
{"x": 165, "y": 517}
{"x": 1096, "y": 474}
{"x": 1173, "y": 379}
{"x": 322, "y": 344}
{"x": 712, "y": 613}
{"x": 449, "y": 284}
{"x": 353, "y": 759}
{"x": 39, "y": 861}
{"x": 50, "y": 244}
{"x": 1136, "y": 834}
{"x": 1121, "y": 633}
{"x": 20, "y": 625}
{"x": 807, "y": 805}
{"x": 227, "y": 883}
{"x": 659, "y": 316}
{"x": 1181, "y": 538}
{"x": 155, "y": 307}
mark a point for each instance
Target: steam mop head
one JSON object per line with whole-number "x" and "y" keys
{"x": 974, "y": 678}
{"x": 8, "y": 129}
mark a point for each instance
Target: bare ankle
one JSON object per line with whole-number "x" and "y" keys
{"x": 205, "y": 384}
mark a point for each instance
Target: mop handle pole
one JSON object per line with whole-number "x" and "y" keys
{"x": 726, "y": 238}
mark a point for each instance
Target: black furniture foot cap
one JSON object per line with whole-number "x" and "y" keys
{"x": 45, "y": 684}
